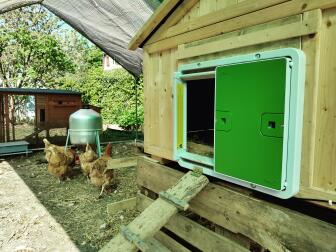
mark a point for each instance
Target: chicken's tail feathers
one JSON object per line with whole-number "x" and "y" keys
{"x": 108, "y": 150}
{"x": 46, "y": 142}
{"x": 88, "y": 147}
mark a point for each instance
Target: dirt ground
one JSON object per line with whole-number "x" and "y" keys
{"x": 74, "y": 204}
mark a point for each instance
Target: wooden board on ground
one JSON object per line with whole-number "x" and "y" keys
{"x": 120, "y": 163}
{"x": 273, "y": 227}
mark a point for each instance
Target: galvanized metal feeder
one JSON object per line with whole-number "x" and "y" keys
{"x": 85, "y": 126}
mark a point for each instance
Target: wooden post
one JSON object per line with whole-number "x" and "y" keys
{"x": 2, "y": 135}
{"x": 6, "y": 119}
{"x": 35, "y": 126}
{"x": 12, "y": 115}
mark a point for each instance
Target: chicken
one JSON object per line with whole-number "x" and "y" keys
{"x": 60, "y": 161}
{"x": 100, "y": 174}
{"x": 86, "y": 160}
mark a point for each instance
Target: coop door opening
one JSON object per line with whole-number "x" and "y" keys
{"x": 200, "y": 116}
{"x": 42, "y": 115}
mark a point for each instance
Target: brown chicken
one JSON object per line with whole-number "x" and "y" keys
{"x": 60, "y": 161}
{"x": 100, "y": 174}
{"x": 86, "y": 160}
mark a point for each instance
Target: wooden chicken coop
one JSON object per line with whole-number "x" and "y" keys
{"x": 52, "y": 109}
{"x": 245, "y": 90}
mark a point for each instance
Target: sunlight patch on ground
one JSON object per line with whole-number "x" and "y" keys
{"x": 24, "y": 220}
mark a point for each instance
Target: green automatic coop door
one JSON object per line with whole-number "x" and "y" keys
{"x": 258, "y": 119}
{"x": 250, "y": 104}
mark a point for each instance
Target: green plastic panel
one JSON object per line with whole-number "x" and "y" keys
{"x": 180, "y": 114}
{"x": 250, "y": 104}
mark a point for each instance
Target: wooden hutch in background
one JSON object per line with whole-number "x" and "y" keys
{"x": 52, "y": 109}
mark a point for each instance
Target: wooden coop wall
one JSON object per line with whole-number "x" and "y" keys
{"x": 201, "y": 30}
{"x": 57, "y": 108}
{"x": 40, "y": 104}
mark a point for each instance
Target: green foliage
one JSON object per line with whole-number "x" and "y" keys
{"x": 35, "y": 51}
{"x": 113, "y": 91}
{"x": 83, "y": 53}
{"x": 94, "y": 57}
{"x": 30, "y": 54}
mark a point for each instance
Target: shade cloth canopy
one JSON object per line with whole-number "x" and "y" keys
{"x": 110, "y": 24}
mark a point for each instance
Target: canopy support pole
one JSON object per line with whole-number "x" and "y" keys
{"x": 136, "y": 82}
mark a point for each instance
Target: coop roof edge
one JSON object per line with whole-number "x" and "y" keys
{"x": 28, "y": 91}
{"x": 153, "y": 23}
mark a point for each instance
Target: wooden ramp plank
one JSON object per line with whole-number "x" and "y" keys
{"x": 153, "y": 218}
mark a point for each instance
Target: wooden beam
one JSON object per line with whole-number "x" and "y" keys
{"x": 153, "y": 218}
{"x": 160, "y": 159}
{"x": 12, "y": 115}
{"x": 311, "y": 47}
{"x": 273, "y": 227}
{"x": 316, "y": 193}
{"x": 170, "y": 243}
{"x": 120, "y": 163}
{"x": 156, "y": 246}
{"x": 324, "y": 175}
{"x": 2, "y": 134}
{"x": 258, "y": 17}
{"x": 35, "y": 121}
{"x": 297, "y": 29}
{"x": 178, "y": 14}
{"x": 161, "y": 12}
{"x": 192, "y": 232}
{"x": 6, "y": 118}
{"x": 229, "y": 12}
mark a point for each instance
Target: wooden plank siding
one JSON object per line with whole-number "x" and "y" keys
{"x": 212, "y": 29}
{"x": 57, "y": 108}
{"x": 257, "y": 17}
{"x": 282, "y": 32}
{"x": 158, "y": 102}
{"x": 152, "y": 23}
{"x": 324, "y": 174}
{"x": 210, "y": 13}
